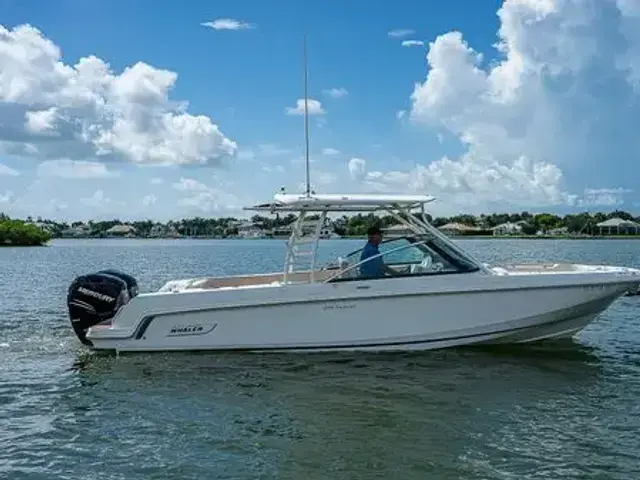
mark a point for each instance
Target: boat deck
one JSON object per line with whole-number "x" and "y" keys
{"x": 243, "y": 281}
{"x": 271, "y": 280}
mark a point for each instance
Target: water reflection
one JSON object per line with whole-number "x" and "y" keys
{"x": 340, "y": 412}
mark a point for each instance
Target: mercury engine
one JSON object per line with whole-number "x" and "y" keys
{"x": 96, "y": 298}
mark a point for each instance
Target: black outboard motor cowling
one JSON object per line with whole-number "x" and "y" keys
{"x": 132, "y": 283}
{"x": 96, "y": 298}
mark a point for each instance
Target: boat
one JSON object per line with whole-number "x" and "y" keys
{"x": 437, "y": 295}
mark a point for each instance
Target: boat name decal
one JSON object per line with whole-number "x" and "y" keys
{"x": 338, "y": 306}
{"x": 97, "y": 295}
{"x": 193, "y": 329}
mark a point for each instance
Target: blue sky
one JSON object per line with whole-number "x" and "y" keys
{"x": 155, "y": 110}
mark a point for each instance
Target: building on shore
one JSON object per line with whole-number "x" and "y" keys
{"x": 508, "y": 228}
{"x": 163, "y": 231}
{"x": 455, "y": 229}
{"x": 77, "y": 231}
{"x": 121, "y": 231}
{"x": 308, "y": 226}
{"x": 249, "y": 229}
{"x": 397, "y": 231}
{"x": 618, "y": 226}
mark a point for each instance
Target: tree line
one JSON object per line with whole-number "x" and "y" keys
{"x": 354, "y": 225}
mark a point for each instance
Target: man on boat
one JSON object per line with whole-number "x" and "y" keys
{"x": 373, "y": 267}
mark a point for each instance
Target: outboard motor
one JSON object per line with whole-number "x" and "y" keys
{"x": 96, "y": 298}
{"x": 132, "y": 284}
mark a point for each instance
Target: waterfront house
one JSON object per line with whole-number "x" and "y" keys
{"x": 249, "y": 230}
{"x": 618, "y": 226}
{"x": 508, "y": 228}
{"x": 121, "y": 231}
{"x": 454, "y": 229}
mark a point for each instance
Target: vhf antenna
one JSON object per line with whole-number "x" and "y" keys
{"x": 306, "y": 119}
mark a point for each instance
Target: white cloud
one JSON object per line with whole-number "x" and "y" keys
{"x": 357, "y": 168}
{"x": 228, "y": 24}
{"x": 190, "y": 185}
{"x": 55, "y": 206}
{"x": 156, "y": 181}
{"x": 42, "y": 121}
{"x": 468, "y": 184}
{"x": 202, "y": 198}
{"x": 52, "y": 110}
{"x": 561, "y": 100}
{"x": 74, "y": 169}
{"x": 8, "y": 171}
{"x": 603, "y": 197}
{"x": 324, "y": 178}
{"x": 273, "y": 168}
{"x": 400, "y": 32}
{"x": 6, "y": 197}
{"x": 336, "y": 92}
{"x": 149, "y": 200}
{"x": 412, "y": 43}
{"x": 314, "y": 107}
{"x": 96, "y": 201}
{"x": 272, "y": 150}
{"x": 330, "y": 152}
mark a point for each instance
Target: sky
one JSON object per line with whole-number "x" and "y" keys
{"x": 165, "y": 110}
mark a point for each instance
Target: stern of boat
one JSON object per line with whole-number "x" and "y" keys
{"x": 94, "y": 299}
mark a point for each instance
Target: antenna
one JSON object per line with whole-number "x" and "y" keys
{"x": 306, "y": 119}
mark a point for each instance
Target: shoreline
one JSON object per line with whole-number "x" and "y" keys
{"x": 457, "y": 237}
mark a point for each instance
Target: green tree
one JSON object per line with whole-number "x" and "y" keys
{"x": 19, "y": 233}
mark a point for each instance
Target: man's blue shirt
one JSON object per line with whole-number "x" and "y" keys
{"x": 373, "y": 267}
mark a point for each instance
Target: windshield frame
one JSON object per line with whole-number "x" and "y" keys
{"x": 426, "y": 243}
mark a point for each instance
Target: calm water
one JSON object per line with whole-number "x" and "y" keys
{"x": 568, "y": 412}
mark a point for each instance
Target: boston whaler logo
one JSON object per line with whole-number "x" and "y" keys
{"x": 97, "y": 295}
{"x": 192, "y": 329}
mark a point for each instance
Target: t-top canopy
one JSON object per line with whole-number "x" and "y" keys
{"x": 339, "y": 202}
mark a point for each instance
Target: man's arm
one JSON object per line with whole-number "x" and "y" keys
{"x": 388, "y": 270}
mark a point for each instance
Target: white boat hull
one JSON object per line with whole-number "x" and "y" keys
{"x": 421, "y": 313}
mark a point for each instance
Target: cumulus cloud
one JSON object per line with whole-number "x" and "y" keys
{"x": 203, "y": 198}
{"x": 314, "y": 107}
{"x": 228, "y": 24}
{"x": 400, "y": 32}
{"x": 523, "y": 182}
{"x": 555, "y": 110}
{"x": 52, "y": 110}
{"x": 74, "y": 169}
{"x": 357, "y": 168}
{"x": 336, "y": 92}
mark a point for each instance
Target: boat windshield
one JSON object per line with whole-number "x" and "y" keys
{"x": 407, "y": 255}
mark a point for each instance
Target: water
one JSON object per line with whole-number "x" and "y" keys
{"x": 568, "y": 412}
